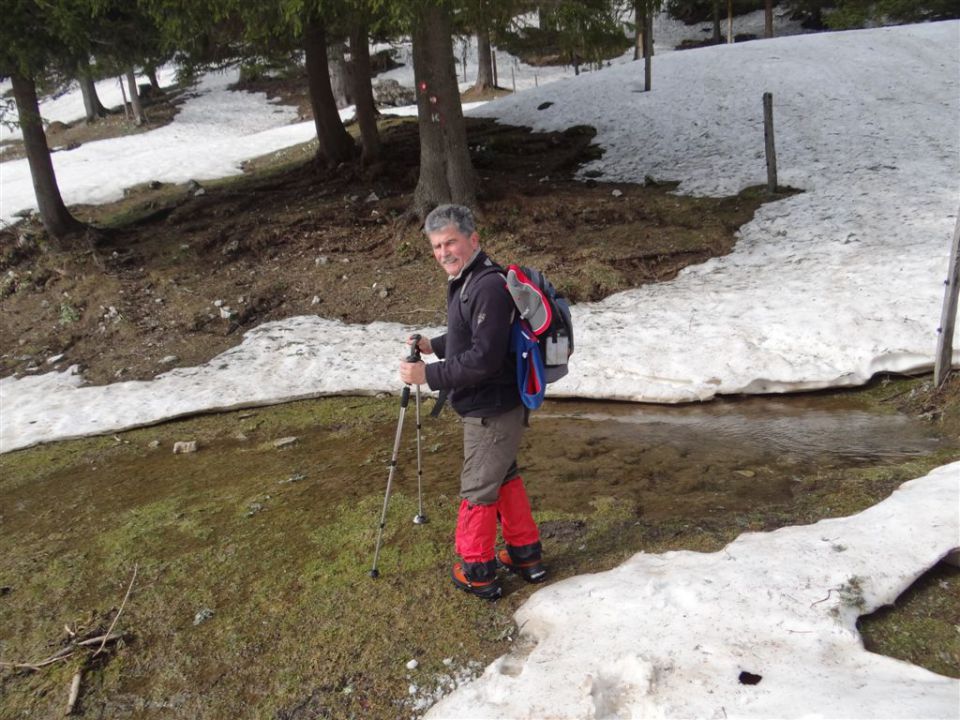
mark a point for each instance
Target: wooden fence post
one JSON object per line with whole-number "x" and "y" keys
{"x": 770, "y": 146}
{"x": 948, "y": 317}
{"x": 494, "y": 63}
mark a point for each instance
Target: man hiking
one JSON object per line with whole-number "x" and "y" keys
{"x": 479, "y": 371}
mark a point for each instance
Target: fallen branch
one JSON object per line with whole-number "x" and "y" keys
{"x": 63, "y": 653}
{"x": 74, "y": 691}
{"x": 119, "y": 612}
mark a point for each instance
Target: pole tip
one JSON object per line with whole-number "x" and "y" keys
{"x": 420, "y": 520}
{"x": 374, "y": 573}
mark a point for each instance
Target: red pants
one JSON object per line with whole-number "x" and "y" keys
{"x": 477, "y": 524}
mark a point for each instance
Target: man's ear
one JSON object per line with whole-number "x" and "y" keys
{"x": 475, "y": 240}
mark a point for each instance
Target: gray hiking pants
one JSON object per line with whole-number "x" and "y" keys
{"x": 489, "y": 455}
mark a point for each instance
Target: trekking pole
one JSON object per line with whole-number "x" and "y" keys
{"x": 419, "y": 518}
{"x": 414, "y": 356}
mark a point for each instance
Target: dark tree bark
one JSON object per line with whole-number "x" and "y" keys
{"x": 139, "y": 117}
{"x": 717, "y": 37}
{"x": 638, "y": 31}
{"x": 446, "y": 173}
{"x": 57, "y": 220}
{"x": 363, "y": 95}
{"x": 647, "y": 48}
{"x": 768, "y": 19}
{"x": 92, "y": 106}
{"x": 336, "y": 145}
{"x": 340, "y": 74}
{"x": 484, "y": 61}
{"x": 151, "y": 72}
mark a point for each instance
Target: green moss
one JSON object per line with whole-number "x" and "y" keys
{"x": 297, "y": 621}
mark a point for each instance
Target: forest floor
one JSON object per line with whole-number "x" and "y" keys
{"x": 251, "y": 597}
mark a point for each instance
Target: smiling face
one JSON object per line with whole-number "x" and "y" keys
{"x": 452, "y": 249}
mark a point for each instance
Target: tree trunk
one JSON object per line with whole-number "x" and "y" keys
{"x": 92, "y": 106}
{"x": 729, "y": 21}
{"x": 138, "y": 116}
{"x": 638, "y": 29}
{"x": 336, "y": 145}
{"x": 484, "y": 61}
{"x": 647, "y": 48}
{"x": 768, "y": 19}
{"x": 446, "y": 173}
{"x": 363, "y": 95}
{"x": 151, "y": 72}
{"x": 54, "y": 215}
{"x": 340, "y": 74}
{"x": 717, "y": 37}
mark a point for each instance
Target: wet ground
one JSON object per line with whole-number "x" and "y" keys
{"x": 270, "y": 526}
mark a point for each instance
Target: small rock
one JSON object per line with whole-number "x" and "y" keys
{"x": 55, "y": 358}
{"x": 544, "y": 105}
{"x": 180, "y": 448}
{"x": 218, "y": 303}
{"x": 448, "y": 661}
{"x": 384, "y": 293}
{"x": 412, "y": 665}
{"x": 154, "y": 184}
{"x": 745, "y": 473}
{"x": 412, "y": 689}
{"x": 231, "y": 248}
{"x": 316, "y": 300}
{"x": 253, "y": 509}
{"x": 153, "y": 444}
{"x": 285, "y": 441}
{"x": 617, "y": 193}
{"x": 322, "y": 260}
{"x": 296, "y": 477}
{"x": 240, "y": 436}
{"x": 372, "y": 197}
{"x": 169, "y": 359}
{"x": 226, "y": 313}
{"x": 202, "y": 616}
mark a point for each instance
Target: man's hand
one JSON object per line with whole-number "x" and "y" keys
{"x": 414, "y": 373}
{"x": 423, "y": 345}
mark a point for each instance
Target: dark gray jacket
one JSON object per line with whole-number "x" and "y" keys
{"x": 478, "y": 368}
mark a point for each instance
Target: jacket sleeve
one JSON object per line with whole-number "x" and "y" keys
{"x": 491, "y": 312}
{"x": 439, "y": 345}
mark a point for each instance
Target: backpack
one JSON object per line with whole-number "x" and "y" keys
{"x": 541, "y": 335}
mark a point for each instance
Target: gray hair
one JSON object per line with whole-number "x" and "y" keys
{"x": 444, "y": 215}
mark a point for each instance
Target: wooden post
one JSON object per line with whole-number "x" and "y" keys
{"x": 948, "y": 318}
{"x": 648, "y": 50}
{"x": 123, "y": 94}
{"x": 493, "y": 61}
{"x": 730, "y": 21}
{"x": 513, "y": 78}
{"x": 769, "y": 145}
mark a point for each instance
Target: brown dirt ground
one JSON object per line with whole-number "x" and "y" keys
{"x": 287, "y": 239}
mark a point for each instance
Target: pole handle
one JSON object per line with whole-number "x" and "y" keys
{"x": 414, "y": 355}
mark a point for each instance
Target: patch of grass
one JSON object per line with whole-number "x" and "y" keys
{"x": 921, "y": 627}
{"x": 296, "y": 620}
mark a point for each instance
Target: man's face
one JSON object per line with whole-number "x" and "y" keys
{"x": 452, "y": 249}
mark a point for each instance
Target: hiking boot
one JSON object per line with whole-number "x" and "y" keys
{"x": 479, "y": 579}
{"x": 530, "y": 568}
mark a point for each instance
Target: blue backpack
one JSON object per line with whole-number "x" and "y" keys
{"x": 541, "y": 336}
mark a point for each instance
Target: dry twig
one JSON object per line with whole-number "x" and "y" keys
{"x": 119, "y": 612}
